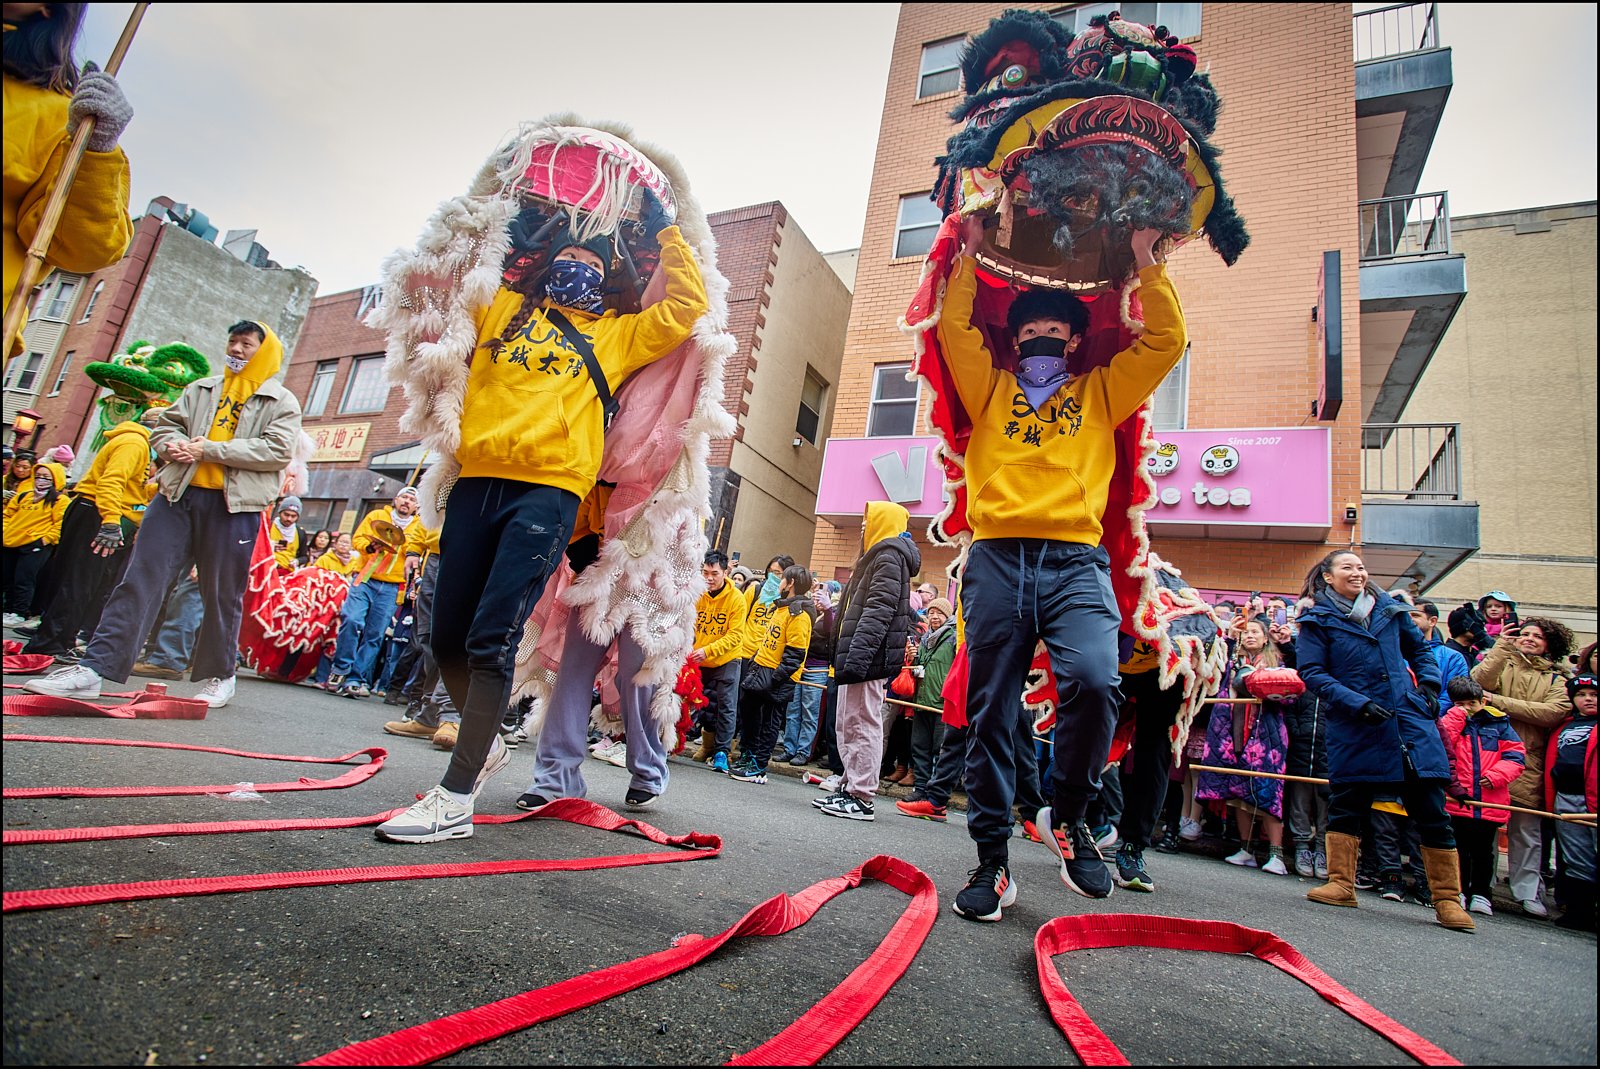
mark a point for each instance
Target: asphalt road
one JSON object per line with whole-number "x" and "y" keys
{"x": 281, "y": 976}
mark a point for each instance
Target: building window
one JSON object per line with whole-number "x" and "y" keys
{"x": 60, "y": 302}
{"x": 1170, "y": 405}
{"x": 61, "y": 376}
{"x": 27, "y": 373}
{"x": 941, "y": 67}
{"x": 316, "y": 516}
{"x": 365, "y": 391}
{"x": 1181, "y": 20}
{"x": 94, "y": 298}
{"x": 916, "y": 226}
{"x": 813, "y": 395}
{"x": 321, "y": 387}
{"x": 893, "y": 412}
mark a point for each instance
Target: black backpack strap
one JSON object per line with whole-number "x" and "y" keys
{"x": 578, "y": 341}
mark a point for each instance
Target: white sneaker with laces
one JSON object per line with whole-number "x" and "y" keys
{"x": 617, "y": 755}
{"x": 434, "y": 818}
{"x": 78, "y": 681}
{"x": 14, "y": 620}
{"x": 1480, "y": 906}
{"x": 1188, "y": 830}
{"x": 218, "y": 692}
{"x": 499, "y": 757}
{"x": 1275, "y": 866}
{"x": 601, "y": 750}
{"x": 1243, "y": 858}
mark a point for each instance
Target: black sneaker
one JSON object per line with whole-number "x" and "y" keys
{"x": 989, "y": 890}
{"x": 636, "y": 799}
{"x": 1131, "y": 872}
{"x": 533, "y": 802}
{"x": 1170, "y": 842}
{"x": 1390, "y": 888}
{"x": 1083, "y": 869}
{"x": 1365, "y": 881}
{"x": 827, "y": 799}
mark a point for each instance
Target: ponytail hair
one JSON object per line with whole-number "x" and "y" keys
{"x": 1315, "y": 585}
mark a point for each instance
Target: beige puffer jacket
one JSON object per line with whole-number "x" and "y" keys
{"x": 1533, "y": 692}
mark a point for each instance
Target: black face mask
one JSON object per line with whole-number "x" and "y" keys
{"x": 1043, "y": 346}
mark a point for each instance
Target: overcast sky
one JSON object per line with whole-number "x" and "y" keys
{"x": 334, "y": 130}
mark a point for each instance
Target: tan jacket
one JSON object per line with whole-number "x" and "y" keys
{"x": 1533, "y": 692}
{"x": 253, "y": 462}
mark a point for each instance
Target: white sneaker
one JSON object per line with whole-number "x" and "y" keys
{"x": 1188, "y": 830}
{"x": 435, "y": 817}
{"x": 1275, "y": 866}
{"x": 218, "y": 692}
{"x": 617, "y": 755}
{"x": 14, "y": 620}
{"x": 601, "y": 750}
{"x": 1535, "y": 908}
{"x": 1480, "y": 906}
{"x": 1244, "y": 859}
{"x": 76, "y": 682}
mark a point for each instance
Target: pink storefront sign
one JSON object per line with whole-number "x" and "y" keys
{"x": 1244, "y": 483}
{"x": 858, "y": 470}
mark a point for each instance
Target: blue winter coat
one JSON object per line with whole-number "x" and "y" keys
{"x": 1452, "y": 665}
{"x": 1350, "y": 666}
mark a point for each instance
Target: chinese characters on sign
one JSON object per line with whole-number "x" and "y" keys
{"x": 339, "y": 441}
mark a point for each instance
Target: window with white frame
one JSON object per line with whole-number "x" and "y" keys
{"x": 26, "y": 374}
{"x": 1170, "y": 405}
{"x": 941, "y": 67}
{"x": 321, "y": 387}
{"x": 365, "y": 390}
{"x": 59, "y": 303}
{"x": 813, "y": 396}
{"x": 916, "y": 225}
{"x": 1181, "y": 20}
{"x": 893, "y": 411}
{"x": 61, "y": 376}
{"x": 94, "y": 298}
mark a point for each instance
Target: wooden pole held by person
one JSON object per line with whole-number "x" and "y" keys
{"x": 33, "y": 262}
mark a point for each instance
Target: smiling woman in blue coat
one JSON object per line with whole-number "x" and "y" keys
{"x": 1359, "y": 650}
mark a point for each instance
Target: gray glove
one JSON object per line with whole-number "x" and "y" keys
{"x": 99, "y": 96}
{"x": 109, "y": 538}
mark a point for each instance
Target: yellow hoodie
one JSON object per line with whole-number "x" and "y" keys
{"x": 395, "y": 572}
{"x": 531, "y": 413}
{"x": 95, "y": 229}
{"x": 719, "y": 625}
{"x": 883, "y": 519}
{"x": 330, "y": 560}
{"x": 787, "y": 628}
{"x": 29, "y": 519}
{"x": 236, "y": 390}
{"x": 1047, "y": 475}
{"x": 115, "y": 482}
{"x": 755, "y": 620}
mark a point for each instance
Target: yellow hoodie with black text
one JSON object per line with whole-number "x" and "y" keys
{"x": 719, "y": 621}
{"x": 532, "y": 413}
{"x": 29, "y": 519}
{"x": 1047, "y": 474}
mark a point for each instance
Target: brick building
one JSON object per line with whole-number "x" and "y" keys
{"x": 174, "y": 285}
{"x": 787, "y": 308}
{"x": 1327, "y": 120}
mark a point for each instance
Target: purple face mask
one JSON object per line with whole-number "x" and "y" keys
{"x": 1042, "y": 369}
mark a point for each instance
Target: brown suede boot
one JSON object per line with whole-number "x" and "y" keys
{"x": 1340, "y": 890}
{"x": 708, "y": 745}
{"x": 1444, "y": 883}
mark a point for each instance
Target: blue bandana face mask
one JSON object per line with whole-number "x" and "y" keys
{"x": 1042, "y": 369}
{"x": 574, "y": 284}
{"x": 770, "y": 589}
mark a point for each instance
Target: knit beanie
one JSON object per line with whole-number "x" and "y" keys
{"x": 290, "y": 502}
{"x": 942, "y": 605}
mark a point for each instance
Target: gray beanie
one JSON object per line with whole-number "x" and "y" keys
{"x": 290, "y": 502}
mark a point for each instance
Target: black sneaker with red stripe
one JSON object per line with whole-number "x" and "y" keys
{"x": 989, "y": 890}
{"x": 1083, "y": 869}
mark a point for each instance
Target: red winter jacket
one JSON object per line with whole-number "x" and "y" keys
{"x": 1480, "y": 745}
{"x": 1588, "y": 770}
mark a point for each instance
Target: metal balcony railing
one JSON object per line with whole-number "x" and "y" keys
{"x": 1397, "y": 30}
{"x": 1393, "y": 228}
{"x": 1411, "y": 461}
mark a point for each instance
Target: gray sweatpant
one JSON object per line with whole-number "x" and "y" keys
{"x": 860, "y": 731}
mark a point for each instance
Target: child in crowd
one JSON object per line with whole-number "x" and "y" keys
{"x": 1485, "y": 756}
{"x": 1569, "y": 787}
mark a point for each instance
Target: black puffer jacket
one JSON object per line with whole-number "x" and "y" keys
{"x": 875, "y": 614}
{"x": 1306, "y": 720}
